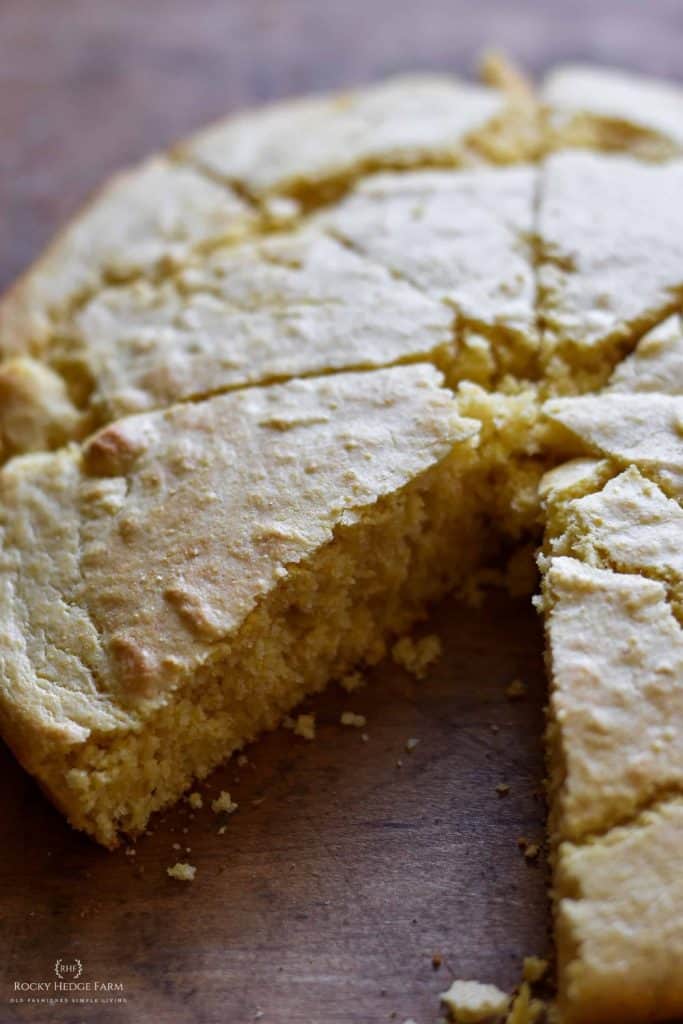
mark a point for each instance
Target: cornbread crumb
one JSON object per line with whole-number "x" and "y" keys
{"x": 305, "y": 727}
{"x": 411, "y": 744}
{"x": 223, "y": 803}
{"x": 195, "y": 801}
{"x": 242, "y": 760}
{"x": 529, "y": 849}
{"x": 222, "y": 830}
{"x": 473, "y": 1001}
{"x": 516, "y": 690}
{"x": 349, "y": 718}
{"x": 352, "y": 682}
{"x": 182, "y": 872}
{"x": 524, "y": 1009}
{"x": 365, "y": 737}
{"x": 502, "y": 789}
{"x": 534, "y": 968}
{"x": 415, "y": 656}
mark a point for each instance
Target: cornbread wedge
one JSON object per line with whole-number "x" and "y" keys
{"x": 176, "y": 585}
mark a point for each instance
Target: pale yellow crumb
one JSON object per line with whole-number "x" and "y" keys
{"x": 502, "y": 789}
{"x": 352, "y": 682}
{"x": 411, "y": 744}
{"x": 222, "y": 830}
{"x": 223, "y": 803}
{"x": 472, "y": 1001}
{"x": 524, "y": 1009}
{"x": 365, "y": 737}
{"x": 182, "y": 871}
{"x": 350, "y": 718}
{"x": 195, "y": 801}
{"x": 305, "y": 727}
{"x": 242, "y": 760}
{"x": 176, "y": 846}
{"x": 416, "y": 656}
{"x": 516, "y": 690}
{"x": 534, "y": 968}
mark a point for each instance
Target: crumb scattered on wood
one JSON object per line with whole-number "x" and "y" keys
{"x": 352, "y": 719}
{"x": 502, "y": 789}
{"x": 524, "y": 1009}
{"x": 305, "y": 727}
{"x": 352, "y": 682}
{"x": 182, "y": 872}
{"x": 472, "y": 1001}
{"x": 223, "y": 804}
{"x": 516, "y": 690}
{"x": 529, "y": 848}
{"x": 411, "y": 743}
{"x": 416, "y": 656}
{"x": 195, "y": 801}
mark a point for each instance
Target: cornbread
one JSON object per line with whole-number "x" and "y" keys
{"x": 276, "y": 391}
{"x": 471, "y": 1001}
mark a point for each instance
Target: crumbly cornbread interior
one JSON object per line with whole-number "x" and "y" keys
{"x": 263, "y": 402}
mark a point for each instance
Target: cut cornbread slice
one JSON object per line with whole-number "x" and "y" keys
{"x": 615, "y": 654}
{"x": 619, "y": 922}
{"x": 601, "y": 218}
{"x": 657, "y": 362}
{"x": 629, "y": 526}
{"x": 605, "y": 108}
{"x": 176, "y": 586}
{"x": 461, "y": 236}
{"x": 145, "y": 218}
{"x": 292, "y": 305}
{"x": 644, "y": 429}
{"x": 403, "y": 122}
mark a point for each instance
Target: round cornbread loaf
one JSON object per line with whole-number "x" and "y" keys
{"x": 277, "y": 390}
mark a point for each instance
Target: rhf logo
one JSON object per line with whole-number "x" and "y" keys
{"x": 68, "y": 969}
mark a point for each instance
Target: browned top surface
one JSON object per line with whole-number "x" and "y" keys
{"x": 326, "y": 901}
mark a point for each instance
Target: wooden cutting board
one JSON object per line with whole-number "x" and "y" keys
{"x": 342, "y": 873}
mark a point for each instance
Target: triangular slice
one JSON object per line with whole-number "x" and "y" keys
{"x": 605, "y": 108}
{"x": 290, "y": 306}
{"x": 461, "y": 236}
{"x": 175, "y": 586}
{"x": 146, "y": 218}
{"x": 611, "y": 233}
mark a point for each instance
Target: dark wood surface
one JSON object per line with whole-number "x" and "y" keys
{"x": 342, "y": 874}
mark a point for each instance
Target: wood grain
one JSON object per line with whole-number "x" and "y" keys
{"x": 342, "y": 873}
